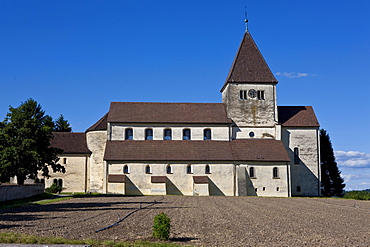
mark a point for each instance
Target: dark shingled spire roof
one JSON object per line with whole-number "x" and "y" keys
{"x": 249, "y": 66}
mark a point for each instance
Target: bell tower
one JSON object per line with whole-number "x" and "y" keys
{"x": 249, "y": 93}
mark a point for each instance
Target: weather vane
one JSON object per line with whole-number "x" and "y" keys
{"x": 246, "y": 19}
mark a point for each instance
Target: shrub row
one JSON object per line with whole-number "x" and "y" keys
{"x": 357, "y": 195}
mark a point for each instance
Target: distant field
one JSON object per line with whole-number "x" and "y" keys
{"x": 206, "y": 221}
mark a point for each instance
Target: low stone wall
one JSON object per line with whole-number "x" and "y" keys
{"x": 12, "y": 191}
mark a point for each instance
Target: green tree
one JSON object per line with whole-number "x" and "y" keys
{"x": 332, "y": 184}
{"x": 25, "y": 136}
{"x": 62, "y": 125}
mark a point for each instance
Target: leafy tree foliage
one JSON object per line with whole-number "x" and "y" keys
{"x": 62, "y": 125}
{"x": 25, "y": 143}
{"x": 332, "y": 183}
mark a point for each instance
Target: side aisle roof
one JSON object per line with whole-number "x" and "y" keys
{"x": 297, "y": 116}
{"x": 265, "y": 150}
{"x": 70, "y": 142}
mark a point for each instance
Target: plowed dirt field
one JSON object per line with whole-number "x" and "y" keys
{"x": 204, "y": 221}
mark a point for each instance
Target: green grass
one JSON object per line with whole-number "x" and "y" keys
{"x": 15, "y": 238}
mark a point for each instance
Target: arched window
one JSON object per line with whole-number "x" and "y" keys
{"x": 207, "y": 134}
{"x": 208, "y": 169}
{"x": 55, "y": 181}
{"x": 147, "y": 169}
{"x": 296, "y": 156}
{"x": 149, "y": 134}
{"x": 275, "y": 172}
{"x": 167, "y": 134}
{"x": 125, "y": 169}
{"x": 189, "y": 169}
{"x": 169, "y": 169}
{"x": 60, "y": 182}
{"x": 186, "y": 134}
{"x": 251, "y": 172}
{"x": 129, "y": 134}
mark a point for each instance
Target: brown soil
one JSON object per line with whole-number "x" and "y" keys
{"x": 205, "y": 221}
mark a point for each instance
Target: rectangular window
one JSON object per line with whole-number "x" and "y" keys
{"x": 261, "y": 95}
{"x": 243, "y": 94}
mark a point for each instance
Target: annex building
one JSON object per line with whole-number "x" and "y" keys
{"x": 245, "y": 146}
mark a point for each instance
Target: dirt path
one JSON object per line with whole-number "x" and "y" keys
{"x": 207, "y": 221}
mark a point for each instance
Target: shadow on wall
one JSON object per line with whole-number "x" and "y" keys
{"x": 131, "y": 188}
{"x": 213, "y": 189}
{"x": 172, "y": 189}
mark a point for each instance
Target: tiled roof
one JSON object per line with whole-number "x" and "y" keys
{"x": 139, "y": 112}
{"x": 259, "y": 150}
{"x": 297, "y": 116}
{"x": 249, "y": 66}
{"x": 70, "y": 142}
{"x": 170, "y": 150}
{"x": 101, "y": 124}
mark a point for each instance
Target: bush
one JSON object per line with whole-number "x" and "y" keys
{"x": 161, "y": 227}
{"x": 54, "y": 189}
{"x": 357, "y": 195}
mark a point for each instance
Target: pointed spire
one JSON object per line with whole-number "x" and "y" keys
{"x": 249, "y": 66}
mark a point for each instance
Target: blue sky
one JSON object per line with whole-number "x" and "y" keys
{"x": 75, "y": 57}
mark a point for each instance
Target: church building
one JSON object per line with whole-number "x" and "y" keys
{"x": 245, "y": 146}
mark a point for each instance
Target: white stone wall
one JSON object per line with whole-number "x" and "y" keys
{"x": 244, "y": 132}
{"x": 219, "y": 133}
{"x": 251, "y": 112}
{"x": 179, "y": 182}
{"x": 305, "y": 174}
{"x": 96, "y": 141}
{"x": 263, "y": 183}
{"x": 75, "y": 177}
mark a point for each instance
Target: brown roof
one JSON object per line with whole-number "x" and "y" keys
{"x": 200, "y": 179}
{"x": 259, "y": 150}
{"x": 158, "y": 179}
{"x": 139, "y": 112}
{"x": 101, "y": 124}
{"x": 297, "y": 116}
{"x": 150, "y": 150}
{"x": 70, "y": 142}
{"x": 249, "y": 65}
{"x": 116, "y": 178}
{"x": 170, "y": 150}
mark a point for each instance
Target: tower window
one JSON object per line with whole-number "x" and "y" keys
{"x": 243, "y": 94}
{"x": 186, "y": 134}
{"x": 296, "y": 156}
{"x": 261, "y": 95}
{"x": 129, "y": 134}
{"x": 149, "y": 134}
{"x": 167, "y": 134}
{"x": 207, "y": 134}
